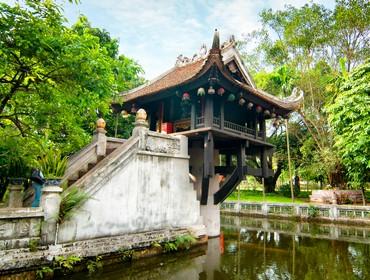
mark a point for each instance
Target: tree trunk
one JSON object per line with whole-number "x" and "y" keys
{"x": 270, "y": 183}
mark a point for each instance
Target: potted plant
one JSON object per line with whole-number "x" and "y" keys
{"x": 53, "y": 166}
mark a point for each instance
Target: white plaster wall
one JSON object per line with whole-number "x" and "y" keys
{"x": 149, "y": 192}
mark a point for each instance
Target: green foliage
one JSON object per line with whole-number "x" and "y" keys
{"x": 126, "y": 255}
{"x": 286, "y": 191}
{"x": 53, "y": 81}
{"x": 33, "y": 244}
{"x": 44, "y": 272}
{"x": 349, "y": 116}
{"x": 94, "y": 265}
{"x": 66, "y": 264}
{"x": 71, "y": 200}
{"x": 313, "y": 211}
{"x": 185, "y": 241}
{"x": 52, "y": 164}
{"x": 169, "y": 247}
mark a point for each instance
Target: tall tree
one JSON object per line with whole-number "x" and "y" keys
{"x": 53, "y": 80}
{"x": 310, "y": 41}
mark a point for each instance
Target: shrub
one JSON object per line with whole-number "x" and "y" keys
{"x": 285, "y": 190}
{"x": 313, "y": 211}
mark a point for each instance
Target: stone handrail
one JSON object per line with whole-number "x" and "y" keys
{"x": 337, "y": 213}
{"x": 98, "y": 173}
{"x": 81, "y": 159}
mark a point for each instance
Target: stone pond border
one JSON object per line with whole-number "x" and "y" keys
{"x": 346, "y": 214}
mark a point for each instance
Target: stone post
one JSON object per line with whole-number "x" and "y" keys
{"x": 15, "y": 193}
{"x": 141, "y": 127}
{"x": 50, "y": 202}
{"x": 100, "y": 137}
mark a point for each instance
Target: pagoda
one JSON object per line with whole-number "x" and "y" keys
{"x": 212, "y": 99}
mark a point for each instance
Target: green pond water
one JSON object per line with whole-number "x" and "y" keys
{"x": 251, "y": 248}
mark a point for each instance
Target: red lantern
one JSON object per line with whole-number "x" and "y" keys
{"x": 258, "y": 109}
{"x": 185, "y": 96}
{"x": 221, "y": 91}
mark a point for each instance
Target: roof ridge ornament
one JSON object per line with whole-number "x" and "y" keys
{"x": 216, "y": 40}
{"x": 183, "y": 60}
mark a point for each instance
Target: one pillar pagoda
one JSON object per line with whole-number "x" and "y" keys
{"x": 212, "y": 99}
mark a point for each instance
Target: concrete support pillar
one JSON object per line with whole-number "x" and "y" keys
{"x": 15, "y": 193}
{"x": 211, "y": 212}
{"x": 50, "y": 203}
{"x": 100, "y": 137}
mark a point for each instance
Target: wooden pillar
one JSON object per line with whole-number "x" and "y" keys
{"x": 209, "y": 168}
{"x": 241, "y": 158}
{"x": 263, "y": 127}
{"x": 193, "y": 115}
{"x": 264, "y": 162}
{"x": 208, "y": 111}
{"x": 222, "y": 114}
{"x": 228, "y": 159}
{"x": 256, "y": 127}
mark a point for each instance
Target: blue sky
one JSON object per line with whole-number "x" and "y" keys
{"x": 155, "y": 32}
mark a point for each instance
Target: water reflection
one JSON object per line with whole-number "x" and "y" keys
{"x": 260, "y": 249}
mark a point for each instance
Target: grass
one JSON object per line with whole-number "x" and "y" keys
{"x": 257, "y": 196}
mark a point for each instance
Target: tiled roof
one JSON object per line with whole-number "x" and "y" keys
{"x": 174, "y": 77}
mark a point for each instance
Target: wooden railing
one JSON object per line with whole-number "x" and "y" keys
{"x": 228, "y": 126}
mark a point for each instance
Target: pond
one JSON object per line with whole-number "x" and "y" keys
{"x": 252, "y": 248}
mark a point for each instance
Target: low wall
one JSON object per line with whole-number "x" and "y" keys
{"x": 20, "y": 227}
{"x": 18, "y": 260}
{"x": 333, "y": 213}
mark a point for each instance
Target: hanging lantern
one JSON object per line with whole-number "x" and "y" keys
{"x": 273, "y": 115}
{"x": 231, "y": 97}
{"x": 250, "y": 105}
{"x": 185, "y": 96}
{"x": 241, "y": 101}
{"x": 211, "y": 90}
{"x": 178, "y": 94}
{"x": 133, "y": 109}
{"x": 221, "y": 91}
{"x": 258, "y": 109}
{"x": 124, "y": 114}
{"x": 201, "y": 91}
{"x": 267, "y": 113}
{"x": 276, "y": 123}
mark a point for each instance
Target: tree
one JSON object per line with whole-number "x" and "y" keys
{"x": 53, "y": 80}
{"x": 349, "y": 116}
{"x": 305, "y": 46}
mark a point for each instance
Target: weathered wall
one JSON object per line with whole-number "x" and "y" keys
{"x": 20, "y": 226}
{"x": 143, "y": 186}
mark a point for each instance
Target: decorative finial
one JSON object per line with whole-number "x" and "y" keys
{"x": 141, "y": 115}
{"x": 216, "y": 40}
{"x": 100, "y": 123}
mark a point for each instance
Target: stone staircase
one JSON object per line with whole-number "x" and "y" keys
{"x": 84, "y": 160}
